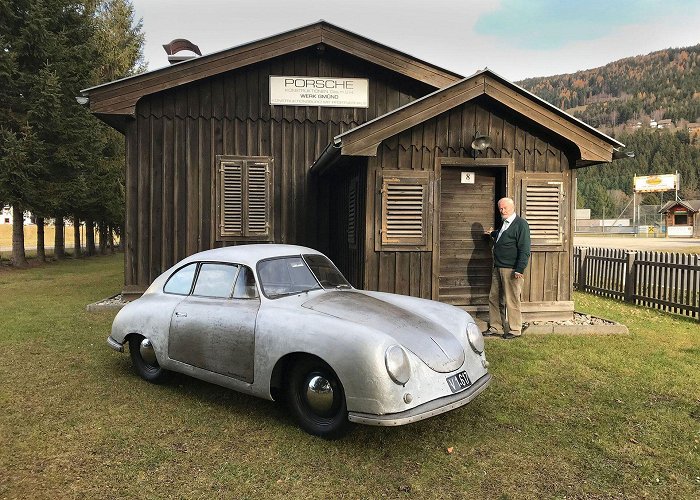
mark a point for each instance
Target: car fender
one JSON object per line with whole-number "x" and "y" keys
{"x": 148, "y": 316}
{"x": 354, "y": 352}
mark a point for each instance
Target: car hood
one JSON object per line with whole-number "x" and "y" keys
{"x": 428, "y": 340}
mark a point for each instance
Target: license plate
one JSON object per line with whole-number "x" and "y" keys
{"x": 459, "y": 382}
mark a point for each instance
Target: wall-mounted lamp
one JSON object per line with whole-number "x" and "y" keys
{"x": 82, "y": 100}
{"x": 480, "y": 143}
{"x": 621, "y": 154}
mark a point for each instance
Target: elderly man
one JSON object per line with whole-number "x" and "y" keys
{"x": 511, "y": 252}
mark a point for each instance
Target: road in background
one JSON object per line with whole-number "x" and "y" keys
{"x": 686, "y": 245}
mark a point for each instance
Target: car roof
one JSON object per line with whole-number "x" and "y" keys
{"x": 248, "y": 254}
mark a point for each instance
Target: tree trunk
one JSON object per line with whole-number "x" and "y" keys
{"x": 110, "y": 230}
{"x": 19, "y": 258}
{"x": 59, "y": 246}
{"x": 77, "y": 252}
{"x": 122, "y": 239}
{"x": 90, "y": 237}
{"x": 104, "y": 234}
{"x": 40, "y": 250}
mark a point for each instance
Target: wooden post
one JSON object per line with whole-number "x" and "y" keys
{"x": 630, "y": 277}
{"x": 582, "y": 269}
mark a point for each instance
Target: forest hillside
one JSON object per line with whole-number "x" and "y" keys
{"x": 651, "y": 103}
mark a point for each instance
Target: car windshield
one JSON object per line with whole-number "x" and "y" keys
{"x": 285, "y": 276}
{"x": 326, "y": 273}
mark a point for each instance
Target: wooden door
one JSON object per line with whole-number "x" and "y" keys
{"x": 466, "y": 211}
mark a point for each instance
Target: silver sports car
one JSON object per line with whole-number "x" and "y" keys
{"x": 280, "y": 321}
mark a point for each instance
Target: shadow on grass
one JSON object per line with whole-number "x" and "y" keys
{"x": 272, "y": 413}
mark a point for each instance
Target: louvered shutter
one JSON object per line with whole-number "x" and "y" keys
{"x": 543, "y": 208}
{"x": 257, "y": 221}
{"x": 244, "y": 198}
{"x": 352, "y": 212}
{"x": 231, "y": 198}
{"x": 404, "y": 210}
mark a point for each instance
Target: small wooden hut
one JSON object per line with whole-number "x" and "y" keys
{"x": 682, "y": 218}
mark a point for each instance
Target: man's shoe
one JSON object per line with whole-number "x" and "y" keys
{"x": 507, "y": 336}
{"x": 491, "y": 332}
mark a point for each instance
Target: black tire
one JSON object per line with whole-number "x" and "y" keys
{"x": 331, "y": 423}
{"x": 147, "y": 370}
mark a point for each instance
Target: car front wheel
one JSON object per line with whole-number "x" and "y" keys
{"x": 144, "y": 359}
{"x": 316, "y": 398}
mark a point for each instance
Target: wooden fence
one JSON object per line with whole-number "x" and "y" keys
{"x": 662, "y": 280}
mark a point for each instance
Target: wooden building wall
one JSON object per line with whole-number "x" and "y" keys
{"x": 173, "y": 143}
{"x": 535, "y": 153}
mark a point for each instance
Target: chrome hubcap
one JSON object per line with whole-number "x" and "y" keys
{"x": 147, "y": 353}
{"x": 319, "y": 394}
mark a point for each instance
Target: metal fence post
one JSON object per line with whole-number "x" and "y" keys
{"x": 630, "y": 277}
{"x": 582, "y": 269}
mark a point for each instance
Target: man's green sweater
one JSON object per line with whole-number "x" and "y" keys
{"x": 512, "y": 250}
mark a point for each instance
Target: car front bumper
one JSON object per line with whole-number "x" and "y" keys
{"x": 426, "y": 410}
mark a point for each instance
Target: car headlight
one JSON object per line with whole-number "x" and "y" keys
{"x": 476, "y": 339}
{"x": 397, "y": 364}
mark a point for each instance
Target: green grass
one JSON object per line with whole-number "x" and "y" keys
{"x": 566, "y": 417}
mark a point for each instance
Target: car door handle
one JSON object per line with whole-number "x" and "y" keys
{"x": 180, "y": 315}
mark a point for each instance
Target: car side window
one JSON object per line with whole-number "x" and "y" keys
{"x": 215, "y": 280}
{"x": 245, "y": 285}
{"x": 180, "y": 283}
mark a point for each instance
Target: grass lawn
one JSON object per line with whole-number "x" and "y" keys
{"x": 566, "y": 417}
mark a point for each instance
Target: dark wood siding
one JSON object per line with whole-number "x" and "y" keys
{"x": 533, "y": 150}
{"x": 172, "y": 145}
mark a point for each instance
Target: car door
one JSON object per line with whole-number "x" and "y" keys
{"x": 214, "y": 327}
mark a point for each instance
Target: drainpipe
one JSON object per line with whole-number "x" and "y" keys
{"x": 327, "y": 157}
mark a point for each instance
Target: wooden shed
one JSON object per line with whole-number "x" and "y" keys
{"x": 321, "y": 137}
{"x": 682, "y": 218}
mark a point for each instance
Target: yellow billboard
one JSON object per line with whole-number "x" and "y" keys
{"x": 654, "y": 183}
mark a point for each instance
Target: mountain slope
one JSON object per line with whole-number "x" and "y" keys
{"x": 662, "y": 84}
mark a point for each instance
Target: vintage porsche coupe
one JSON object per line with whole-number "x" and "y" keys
{"x": 280, "y": 321}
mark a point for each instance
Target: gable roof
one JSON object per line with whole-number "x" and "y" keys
{"x": 119, "y": 97}
{"x": 690, "y": 205}
{"x": 594, "y": 146}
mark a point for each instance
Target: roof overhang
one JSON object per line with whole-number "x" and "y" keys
{"x": 690, "y": 205}
{"x": 120, "y": 97}
{"x": 594, "y": 146}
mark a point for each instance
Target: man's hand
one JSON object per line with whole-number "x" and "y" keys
{"x": 518, "y": 275}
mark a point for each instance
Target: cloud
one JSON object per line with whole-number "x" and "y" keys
{"x": 553, "y": 24}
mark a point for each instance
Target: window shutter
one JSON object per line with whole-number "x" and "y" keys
{"x": 244, "y": 198}
{"x": 257, "y": 223}
{"x": 404, "y": 210}
{"x": 352, "y": 212}
{"x": 543, "y": 211}
{"x": 231, "y": 182}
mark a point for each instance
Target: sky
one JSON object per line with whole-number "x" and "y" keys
{"x": 515, "y": 38}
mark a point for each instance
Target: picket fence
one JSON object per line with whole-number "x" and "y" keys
{"x": 662, "y": 280}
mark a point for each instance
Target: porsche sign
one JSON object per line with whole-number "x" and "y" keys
{"x": 319, "y": 91}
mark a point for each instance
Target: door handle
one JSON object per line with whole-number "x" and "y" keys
{"x": 180, "y": 315}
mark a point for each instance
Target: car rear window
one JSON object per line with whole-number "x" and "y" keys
{"x": 180, "y": 283}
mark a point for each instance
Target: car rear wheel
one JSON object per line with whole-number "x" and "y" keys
{"x": 316, "y": 398}
{"x": 144, "y": 359}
